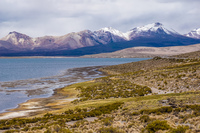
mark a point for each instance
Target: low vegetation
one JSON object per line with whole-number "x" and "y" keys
{"x": 111, "y": 88}
{"x": 158, "y": 95}
{"x": 156, "y": 126}
{"x": 56, "y": 121}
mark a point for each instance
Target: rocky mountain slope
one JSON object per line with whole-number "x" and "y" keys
{"x": 89, "y": 42}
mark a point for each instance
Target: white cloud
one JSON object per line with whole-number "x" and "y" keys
{"x": 59, "y": 17}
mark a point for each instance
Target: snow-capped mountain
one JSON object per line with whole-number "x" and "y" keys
{"x": 116, "y": 35}
{"x": 194, "y": 33}
{"x": 150, "y": 30}
{"x": 88, "y": 42}
{"x": 108, "y": 35}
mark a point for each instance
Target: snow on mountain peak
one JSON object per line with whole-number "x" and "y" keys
{"x": 154, "y": 28}
{"x": 149, "y": 27}
{"x": 146, "y": 30}
{"x": 198, "y": 31}
{"x": 108, "y": 29}
{"x": 111, "y": 30}
{"x": 194, "y": 33}
{"x": 114, "y": 32}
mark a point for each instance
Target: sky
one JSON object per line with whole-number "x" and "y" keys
{"x": 37, "y": 18}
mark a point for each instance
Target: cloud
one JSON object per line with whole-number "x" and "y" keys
{"x": 59, "y": 17}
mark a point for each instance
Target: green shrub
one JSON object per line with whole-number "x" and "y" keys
{"x": 47, "y": 131}
{"x": 157, "y": 125}
{"x": 108, "y": 121}
{"x": 57, "y": 129}
{"x": 25, "y": 129}
{"x": 144, "y": 118}
{"x": 157, "y": 111}
{"x": 135, "y": 113}
{"x": 180, "y": 129}
{"x": 107, "y": 88}
{"x": 11, "y": 131}
{"x": 48, "y": 115}
{"x": 69, "y": 111}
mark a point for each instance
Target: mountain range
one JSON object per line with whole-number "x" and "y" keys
{"x": 89, "y": 42}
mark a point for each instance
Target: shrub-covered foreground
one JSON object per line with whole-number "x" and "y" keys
{"x": 111, "y": 88}
{"x": 53, "y": 121}
{"x": 116, "y": 117}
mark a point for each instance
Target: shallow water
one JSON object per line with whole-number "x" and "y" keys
{"x": 23, "y": 79}
{"x": 26, "y": 68}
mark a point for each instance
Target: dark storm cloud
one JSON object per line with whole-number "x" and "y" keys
{"x": 59, "y": 17}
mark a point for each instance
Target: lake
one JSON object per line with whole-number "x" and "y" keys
{"x": 22, "y": 79}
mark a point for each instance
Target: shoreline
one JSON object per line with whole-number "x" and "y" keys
{"x": 14, "y": 57}
{"x": 85, "y": 56}
{"x": 36, "y": 106}
{"x": 31, "y": 106}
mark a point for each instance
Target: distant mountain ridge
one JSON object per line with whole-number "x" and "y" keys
{"x": 100, "y": 41}
{"x": 194, "y": 33}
